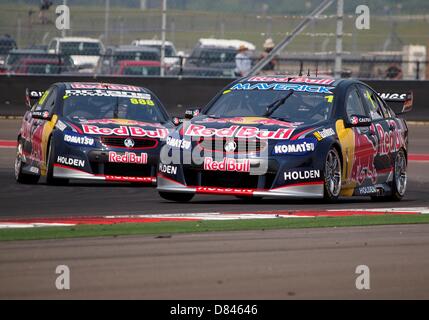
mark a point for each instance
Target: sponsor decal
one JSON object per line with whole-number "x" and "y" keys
{"x": 320, "y": 135}
{"x": 245, "y": 132}
{"x": 227, "y": 164}
{"x": 363, "y": 164}
{"x": 282, "y": 87}
{"x": 60, "y": 125}
{"x": 250, "y": 120}
{"x": 79, "y": 140}
{"x": 291, "y": 80}
{"x": 125, "y": 131}
{"x": 165, "y": 168}
{"x": 367, "y": 190}
{"x": 127, "y": 157}
{"x": 130, "y": 179}
{"x": 393, "y": 96}
{"x": 214, "y": 190}
{"x": 356, "y": 120}
{"x": 79, "y": 85}
{"x": 390, "y": 141}
{"x": 71, "y": 161}
{"x": 295, "y": 147}
{"x": 107, "y": 93}
{"x": 301, "y": 175}
{"x": 178, "y": 143}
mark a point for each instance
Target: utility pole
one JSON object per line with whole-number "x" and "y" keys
{"x": 106, "y": 21}
{"x": 63, "y": 31}
{"x": 339, "y": 40}
{"x": 163, "y": 31}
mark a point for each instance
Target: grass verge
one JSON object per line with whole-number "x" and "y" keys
{"x": 166, "y": 228}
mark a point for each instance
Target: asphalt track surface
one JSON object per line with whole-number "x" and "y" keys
{"x": 276, "y": 264}
{"x": 316, "y": 263}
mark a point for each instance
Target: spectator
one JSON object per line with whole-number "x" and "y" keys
{"x": 44, "y": 8}
{"x": 243, "y": 64}
{"x": 268, "y": 47}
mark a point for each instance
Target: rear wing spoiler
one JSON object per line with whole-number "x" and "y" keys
{"x": 32, "y": 95}
{"x": 402, "y": 99}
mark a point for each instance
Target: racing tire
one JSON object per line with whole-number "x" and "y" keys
{"x": 332, "y": 176}
{"x": 20, "y": 176}
{"x": 50, "y": 179}
{"x": 399, "y": 183}
{"x": 176, "y": 197}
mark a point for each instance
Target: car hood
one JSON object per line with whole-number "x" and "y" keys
{"x": 121, "y": 128}
{"x": 247, "y": 127}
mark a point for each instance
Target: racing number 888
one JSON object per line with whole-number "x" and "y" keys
{"x": 142, "y": 101}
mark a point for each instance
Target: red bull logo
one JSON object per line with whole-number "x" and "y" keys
{"x": 363, "y": 166}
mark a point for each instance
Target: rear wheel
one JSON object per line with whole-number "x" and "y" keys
{"x": 21, "y": 177}
{"x": 332, "y": 174}
{"x": 176, "y": 197}
{"x": 399, "y": 183}
{"x": 50, "y": 160}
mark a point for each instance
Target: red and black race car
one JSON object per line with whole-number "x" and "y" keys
{"x": 281, "y": 136}
{"x": 95, "y": 131}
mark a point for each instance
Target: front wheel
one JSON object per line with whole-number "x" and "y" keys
{"x": 50, "y": 160}
{"x": 176, "y": 197}
{"x": 332, "y": 175}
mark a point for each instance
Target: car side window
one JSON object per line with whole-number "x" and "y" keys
{"x": 388, "y": 113}
{"x": 375, "y": 110}
{"x": 47, "y": 101}
{"x": 354, "y": 104}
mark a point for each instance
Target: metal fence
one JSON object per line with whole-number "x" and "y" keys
{"x": 145, "y": 62}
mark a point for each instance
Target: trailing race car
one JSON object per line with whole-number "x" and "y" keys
{"x": 94, "y": 131}
{"x": 289, "y": 137}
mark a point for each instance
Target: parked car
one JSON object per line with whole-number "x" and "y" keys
{"x": 211, "y": 55}
{"x": 42, "y": 66}
{"x": 172, "y": 57}
{"x": 37, "y": 61}
{"x": 7, "y": 44}
{"x": 138, "y": 68}
{"x": 85, "y": 52}
{"x": 109, "y": 62}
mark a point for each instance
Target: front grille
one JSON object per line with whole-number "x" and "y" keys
{"x": 243, "y": 146}
{"x": 139, "y": 143}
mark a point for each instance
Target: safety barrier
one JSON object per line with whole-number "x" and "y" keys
{"x": 177, "y": 94}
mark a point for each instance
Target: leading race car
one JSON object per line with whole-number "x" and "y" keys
{"x": 289, "y": 137}
{"x": 95, "y": 131}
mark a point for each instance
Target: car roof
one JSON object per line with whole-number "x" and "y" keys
{"x": 128, "y": 48}
{"x": 151, "y": 42}
{"x": 225, "y": 43}
{"x": 77, "y": 39}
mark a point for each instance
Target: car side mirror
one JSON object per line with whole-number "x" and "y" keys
{"x": 358, "y": 121}
{"x": 190, "y": 113}
{"x": 41, "y": 114}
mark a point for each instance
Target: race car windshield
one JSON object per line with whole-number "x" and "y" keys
{"x": 304, "y": 107}
{"x": 80, "y": 108}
